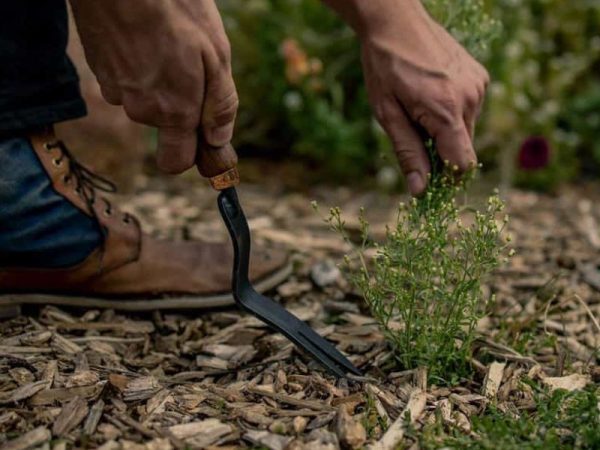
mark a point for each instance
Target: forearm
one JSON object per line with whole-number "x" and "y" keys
{"x": 369, "y": 16}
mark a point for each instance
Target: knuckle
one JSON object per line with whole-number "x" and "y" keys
{"x": 439, "y": 109}
{"x": 385, "y": 112}
{"x": 406, "y": 155}
{"x": 480, "y": 90}
{"x": 448, "y": 106}
{"x": 162, "y": 109}
{"x": 485, "y": 76}
{"x": 174, "y": 111}
{"x": 378, "y": 112}
{"x": 141, "y": 107}
{"x": 438, "y": 118}
{"x": 222, "y": 49}
{"x": 111, "y": 94}
{"x": 422, "y": 116}
{"x": 482, "y": 78}
{"x": 137, "y": 113}
{"x": 186, "y": 118}
{"x": 388, "y": 113}
{"x": 472, "y": 99}
{"x": 224, "y": 110}
{"x": 447, "y": 117}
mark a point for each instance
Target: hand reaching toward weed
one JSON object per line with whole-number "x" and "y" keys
{"x": 421, "y": 82}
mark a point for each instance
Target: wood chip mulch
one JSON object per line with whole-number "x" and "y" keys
{"x": 221, "y": 379}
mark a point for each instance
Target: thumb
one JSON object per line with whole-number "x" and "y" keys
{"x": 409, "y": 149}
{"x": 176, "y": 149}
{"x": 220, "y": 108}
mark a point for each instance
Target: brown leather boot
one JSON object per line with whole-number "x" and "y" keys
{"x": 130, "y": 270}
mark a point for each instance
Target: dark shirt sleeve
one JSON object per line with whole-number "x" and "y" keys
{"x": 38, "y": 83}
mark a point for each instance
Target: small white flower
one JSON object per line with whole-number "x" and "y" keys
{"x": 293, "y": 101}
{"x": 387, "y": 177}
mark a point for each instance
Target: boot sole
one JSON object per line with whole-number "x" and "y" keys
{"x": 10, "y": 304}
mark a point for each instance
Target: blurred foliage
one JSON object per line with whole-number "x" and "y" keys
{"x": 468, "y": 21}
{"x": 298, "y": 73}
{"x": 297, "y": 70}
{"x": 546, "y": 83}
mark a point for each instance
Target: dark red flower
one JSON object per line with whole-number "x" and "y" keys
{"x": 534, "y": 153}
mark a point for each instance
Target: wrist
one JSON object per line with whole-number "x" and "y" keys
{"x": 370, "y": 18}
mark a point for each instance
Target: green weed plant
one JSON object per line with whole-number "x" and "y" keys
{"x": 423, "y": 286}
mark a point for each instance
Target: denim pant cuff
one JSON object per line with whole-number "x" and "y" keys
{"x": 39, "y": 228}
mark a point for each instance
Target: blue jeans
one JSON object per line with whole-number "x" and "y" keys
{"x": 38, "y": 227}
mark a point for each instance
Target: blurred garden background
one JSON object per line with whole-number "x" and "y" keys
{"x": 304, "y": 105}
{"x": 507, "y": 361}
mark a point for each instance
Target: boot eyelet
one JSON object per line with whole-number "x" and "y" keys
{"x": 126, "y": 220}
{"x": 66, "y": 179}
{"x": 47, "y": 146}
{"x": 57, "y": 162}
{"x": 107, "y": 212}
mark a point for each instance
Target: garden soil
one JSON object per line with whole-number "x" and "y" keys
{"x": 221, "y": 379}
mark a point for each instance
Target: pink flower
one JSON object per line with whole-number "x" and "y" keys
{"x": 534, "y": 153}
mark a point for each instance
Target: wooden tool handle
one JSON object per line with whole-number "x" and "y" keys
{"x": 218, "y": 164}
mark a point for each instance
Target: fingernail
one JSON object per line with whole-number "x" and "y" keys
{"x": 220, "y": 135}
{"x": 416, "y": 183}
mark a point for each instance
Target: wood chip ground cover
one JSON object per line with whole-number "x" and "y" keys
{"x": 220, "y": 379}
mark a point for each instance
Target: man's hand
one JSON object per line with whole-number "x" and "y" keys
{"x": 168, "y": 64}
{"x": 418, "y": 79}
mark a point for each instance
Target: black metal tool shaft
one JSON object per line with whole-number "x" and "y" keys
{"x": 267, "y": 310}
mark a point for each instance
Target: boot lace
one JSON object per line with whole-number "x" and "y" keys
{"x": 86, "y": 182}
